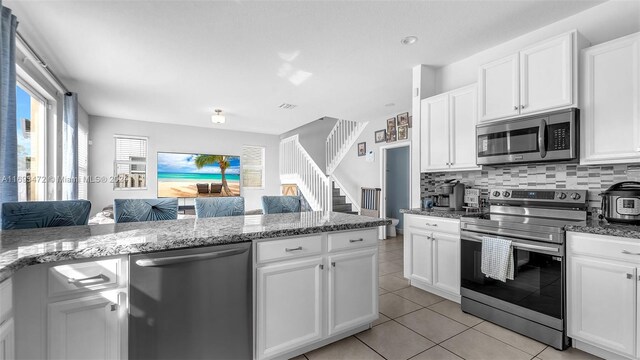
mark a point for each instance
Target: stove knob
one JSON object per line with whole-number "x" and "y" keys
{"x": 575, "y": 196}
{"x": 506, "y": 194}
{"x": 496, "y": 194}
{"x": 562, "y": 196}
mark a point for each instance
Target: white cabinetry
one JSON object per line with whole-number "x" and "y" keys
{"x": 611, "y": 102}
{"x": 314, "y": 289}
{"x": 447, "y": 131}
{"x": 538, "y": 78}
{"x": 602, "y": 294}
{"x": 7, "y": 336}
{"x": 432, "y": 254}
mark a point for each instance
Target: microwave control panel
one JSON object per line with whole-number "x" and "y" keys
{"x": 559, "y": 136}
{"x": 628, "y": 206}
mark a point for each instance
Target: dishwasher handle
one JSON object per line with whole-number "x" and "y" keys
{"x": 170, "y": 260}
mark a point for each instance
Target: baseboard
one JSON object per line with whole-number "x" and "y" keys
{"x": 434, "y": 290}
{"x": 327, "y": 341}
{"x": 594, "y": 350}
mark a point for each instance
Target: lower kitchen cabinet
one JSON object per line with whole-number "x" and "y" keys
{"x": 7, "y": 338}
{"x": 314, "y": 297}
{"x": 289, "y": 305}
{"x": 603, "y": 294}
{"x": 432, "y": 254}
{"x": 353, "y": 289}
{"x": 89, "y": 327}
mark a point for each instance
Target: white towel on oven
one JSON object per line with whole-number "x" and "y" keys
{"x": 497, "y": 258}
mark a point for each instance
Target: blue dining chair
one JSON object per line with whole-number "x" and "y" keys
{"x": 134, "y": 210}
{"x": 280, "y": 204}
{"x": 219, "y": 206}
{"x": 41, "y": 214}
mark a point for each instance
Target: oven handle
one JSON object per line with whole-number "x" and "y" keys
{"x": 478, "y": 238}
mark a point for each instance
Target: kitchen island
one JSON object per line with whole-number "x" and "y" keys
{"x": 45, "y": 270}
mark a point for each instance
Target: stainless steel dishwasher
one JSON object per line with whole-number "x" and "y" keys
{"x": 191, "y": 304}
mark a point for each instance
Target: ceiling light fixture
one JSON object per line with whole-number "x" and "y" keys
{"x": 409, "y": 40}
{"x": 217, "y": 118}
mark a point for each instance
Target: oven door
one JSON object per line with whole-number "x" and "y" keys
{"x": 537, "y": 290}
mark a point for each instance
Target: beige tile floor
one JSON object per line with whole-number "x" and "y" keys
{"x": 418, "y": 325}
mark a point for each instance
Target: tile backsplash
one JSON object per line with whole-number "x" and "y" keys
{"x": 595, "y": 179}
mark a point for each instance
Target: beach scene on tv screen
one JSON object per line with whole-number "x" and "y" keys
{"x": 198, "y": 175}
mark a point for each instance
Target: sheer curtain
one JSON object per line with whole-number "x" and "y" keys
{"x": 8, "y": 135}
{"x": 70, "y": 146}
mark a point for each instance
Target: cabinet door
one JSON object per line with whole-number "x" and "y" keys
{"x": 463, "y": 113}
{"x": 353, "y": 289}
{"x": 611, "y": 102}
{"x": 602, "y": 304}
{"x": 446, "y": 262}
{"x": 289, "y": 306}
{"x": 420, "y": 265}
{"x": 89, "y": 327}
{"x": 498, "y": 89}
{"x": 7, "y": 341}
{"x": 434, "y": 133}
{"x": 546, "y": 75}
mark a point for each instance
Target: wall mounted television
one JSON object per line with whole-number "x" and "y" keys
{"x": 184, "y": 175}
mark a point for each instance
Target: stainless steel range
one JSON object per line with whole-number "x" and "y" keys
{"x": 533, "y": 303}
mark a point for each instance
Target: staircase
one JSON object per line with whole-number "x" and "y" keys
{"x": 341, "y": 138}
{"x": 340, "y": 203}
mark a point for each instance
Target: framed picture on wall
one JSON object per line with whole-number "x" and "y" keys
{"x": 362, "y": 149}
{"x": 403, "y": 132}
{"x": 381, "y": 136}
{"x": 391, "y": 130}
{"x": 403, "y": 119}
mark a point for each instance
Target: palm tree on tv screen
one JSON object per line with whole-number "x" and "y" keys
{"x": 203, "y": 160}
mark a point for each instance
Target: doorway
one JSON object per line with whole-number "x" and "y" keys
{"x": 396, "y": 187}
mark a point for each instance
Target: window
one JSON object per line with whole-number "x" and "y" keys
{"x": 252, "y": 167}
{"x": 30, "y": 115}
{"x": 130, "y": 165}
{"x": 83, "y": 161}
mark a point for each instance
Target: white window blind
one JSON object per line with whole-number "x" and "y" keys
{"x": 252, "y": 162}
{"x": 130, "y": 165}
{"x": 83, "y": 162}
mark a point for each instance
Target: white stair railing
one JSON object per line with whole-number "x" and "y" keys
{"x": 297, "y": 166}
{"x": 343, "y": 135}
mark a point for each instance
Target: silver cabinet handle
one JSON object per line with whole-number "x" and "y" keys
{"x": 93, "y": 280}
{"x": 629, "y": 276}
{"x": 523, "y": 106}
{"x": 293, "y": 249}
{"x": 169, "y": 260}
{"x": 515, "y": 107}
{"x": 434, "y": 225}
{"x": 333, "y": 263}
{"x": 114, "y": 307}
{"x": 321, "y": 267}
{"x": 629, "y": 252}
{"x": 355, "y": 240}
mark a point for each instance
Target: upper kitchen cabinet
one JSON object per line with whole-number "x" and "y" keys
{"x": 447, "y": 131}
{"x": 539, "y": 78}
{"x": 610, "y": 98}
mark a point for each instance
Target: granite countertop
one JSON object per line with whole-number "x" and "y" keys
{"x": 20, "y": 248}
{"x": 440, "y": 212}
{"x": 603, "y": 227}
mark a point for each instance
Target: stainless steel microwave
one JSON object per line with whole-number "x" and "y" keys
{"x": 552, "y": 136}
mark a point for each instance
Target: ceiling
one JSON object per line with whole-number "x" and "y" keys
{"x": 177, "y": 61}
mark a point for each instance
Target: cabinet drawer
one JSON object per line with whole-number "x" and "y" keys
{"x": 288, "y": 248}
{"x": 84, "y": 276}
{"x": 352, "y": 239}
{"x": 430, "y": 223}
{"x": 6, "y": 302}
{"x": 609, "y": 247}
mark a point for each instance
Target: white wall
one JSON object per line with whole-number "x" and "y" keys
{"x": 608, "y": 21}
{"x": 354, "y": 171}
{"x": 172, "y": 138}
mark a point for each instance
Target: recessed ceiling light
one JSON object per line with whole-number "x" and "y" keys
{"x": 389, "y": 104}
{"x": 287, "y": 106}
{"x": 409, "y": 40}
